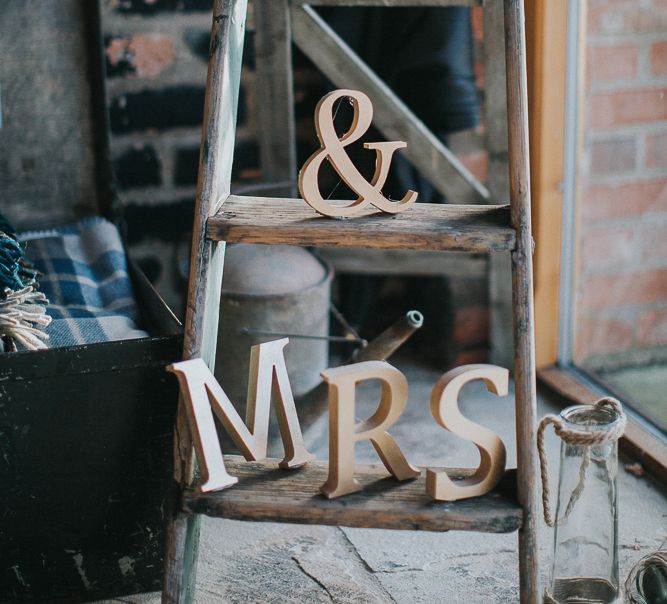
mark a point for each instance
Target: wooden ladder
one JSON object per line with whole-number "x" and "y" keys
{"x": 264, "y": 493}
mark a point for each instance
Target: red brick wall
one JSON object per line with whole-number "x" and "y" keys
{"x": 622, "y": 285}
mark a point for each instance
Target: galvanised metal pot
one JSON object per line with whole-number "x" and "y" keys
{"x": 272, "y": 289}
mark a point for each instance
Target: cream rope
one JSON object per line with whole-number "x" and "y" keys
{"x": 575, "y": 437}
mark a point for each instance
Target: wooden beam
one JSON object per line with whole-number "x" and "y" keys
{"x": 546, "y": 24}
{"x": 426, "y": 226}
{"x": 396, "y": 122}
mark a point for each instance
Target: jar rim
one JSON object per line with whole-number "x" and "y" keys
{"x": 590, "y": 418}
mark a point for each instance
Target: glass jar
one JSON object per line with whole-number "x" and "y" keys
{"x": 585, "y": 562}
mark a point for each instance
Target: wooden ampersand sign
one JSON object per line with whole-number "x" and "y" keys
{"x": 333, "y": 148}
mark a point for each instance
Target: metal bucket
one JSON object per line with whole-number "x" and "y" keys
{"x": 275, "y": 289}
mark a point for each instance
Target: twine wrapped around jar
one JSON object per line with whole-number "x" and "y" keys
{"x": 575, "y": 437}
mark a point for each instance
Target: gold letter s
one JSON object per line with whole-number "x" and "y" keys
{"x": 445, "y": 409}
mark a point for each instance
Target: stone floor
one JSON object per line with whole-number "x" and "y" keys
{"x": 247, "y": 563}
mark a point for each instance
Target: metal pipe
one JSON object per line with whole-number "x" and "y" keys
{"x": 349, "y": 330}
{"x": 303, "y": 336}
{"x": 390, "y": 340}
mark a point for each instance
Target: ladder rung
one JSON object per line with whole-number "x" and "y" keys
{"x": 266, "y": 493}
{"x": 425, "y": 226}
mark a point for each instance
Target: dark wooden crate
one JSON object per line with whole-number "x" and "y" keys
{"x": 85, "y": 431}
{"x": 85, "y": 468}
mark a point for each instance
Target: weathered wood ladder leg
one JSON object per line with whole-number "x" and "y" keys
{"x": 206, "y": 263}
{"x": 522, "y": 288}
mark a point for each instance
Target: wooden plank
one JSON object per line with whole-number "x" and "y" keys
{"x": 413, "y": 263}
{"x": 266, "y": 493}
{"x": 396, "y": 122}
{"x": 206, "y": 260}
{"x": 522, "y": 288}
{"x": 426, "y": 226}
{"x": 275, "y": 111}
{"x": 387, "y": 2}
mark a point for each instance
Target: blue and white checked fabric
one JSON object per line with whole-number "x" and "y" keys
{"x": 85, "y": 277}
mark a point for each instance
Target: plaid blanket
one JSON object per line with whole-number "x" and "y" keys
{"x": 85, "y": 277}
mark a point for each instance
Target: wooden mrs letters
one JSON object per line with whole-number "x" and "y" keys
{"x": 344, "y": 432}
{"x": 202, "y": 392}
{"x": 268, "y": 375}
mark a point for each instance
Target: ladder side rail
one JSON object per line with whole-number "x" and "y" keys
{"x": 215, "y": 173}
{"x": 206, "y": 262}
{"x": 275, "y": 90}
{"x": 522, "y": 286}
{"x": 394, "y": 119}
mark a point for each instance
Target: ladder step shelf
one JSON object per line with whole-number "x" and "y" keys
{"x": 266, "y": 493}
{"x": 425, "y": 226}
